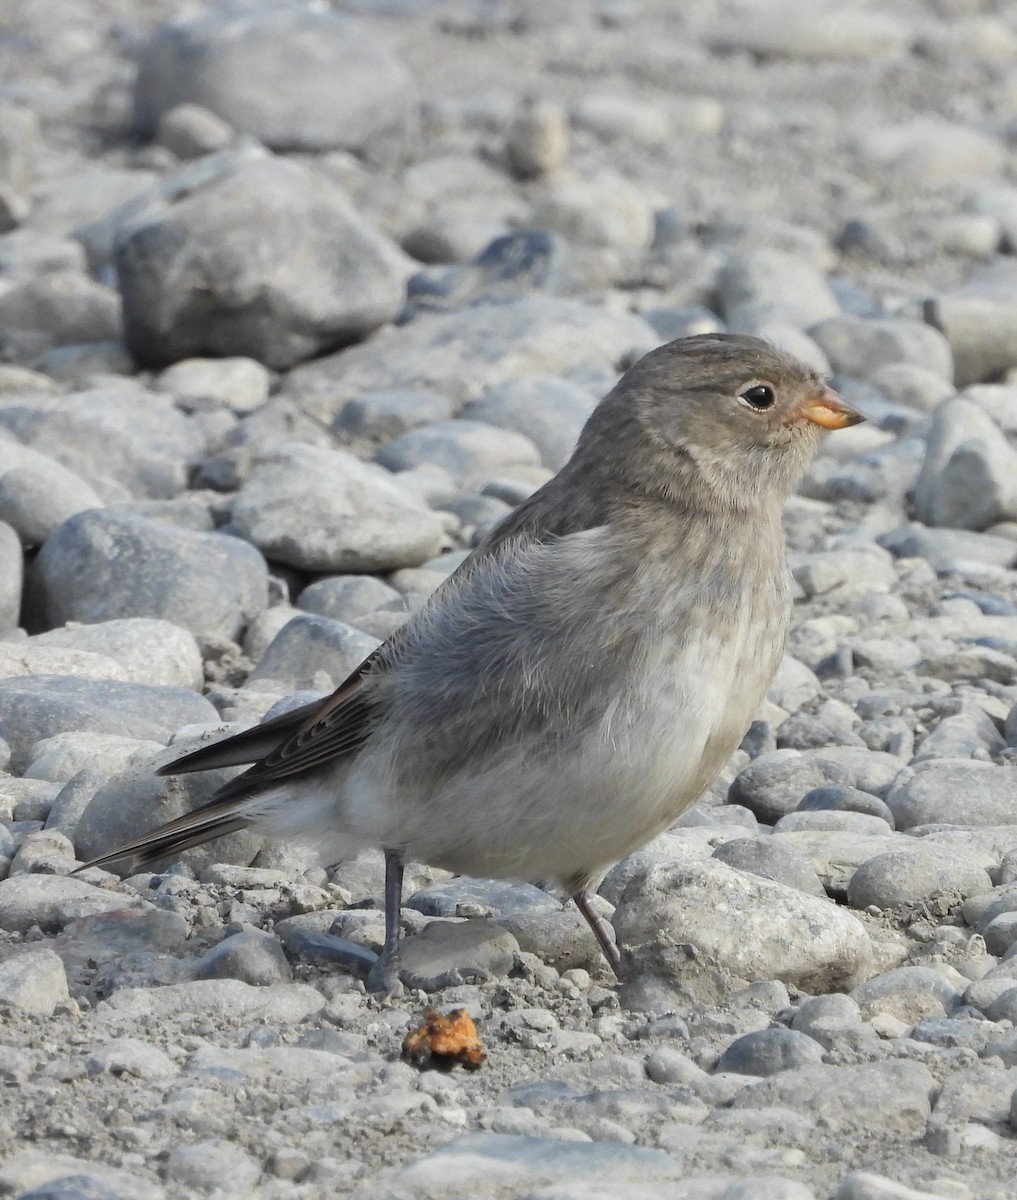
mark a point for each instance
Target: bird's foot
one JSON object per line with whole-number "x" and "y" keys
{"x": 383, "y": 978}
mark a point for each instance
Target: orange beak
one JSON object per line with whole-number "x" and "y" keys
{"x": 828, "y": 410}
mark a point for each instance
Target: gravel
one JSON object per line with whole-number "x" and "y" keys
{"x": 294, "y": 304}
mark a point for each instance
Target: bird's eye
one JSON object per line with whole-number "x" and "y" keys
{"x": 758, "y": 398}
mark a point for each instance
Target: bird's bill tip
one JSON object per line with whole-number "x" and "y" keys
{"x": 830, "y": 411}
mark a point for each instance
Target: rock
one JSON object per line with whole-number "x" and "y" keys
{"x": 190, "y": 131}
{"x": 949, "y": 550}
{"x": 149, "y": 651}
{"x": 19, "y": 133}
{"x": 33, "y": 982}
{"x": 908, "y": 993}
{"x": 212, "y": 1166}
{"x": 605, "y": 209}
{"x": 549, "y": 412}
{"x": 912, "y": 385}
{"x": 307, "y": 645}
{"x": 464, "y": 354}
{"x": 769, "y": 285}
{"x": 916, "y": 875}
{"x": 929, "y": 150}
{"x": 953, "y": 792}
{"x": 40, "y": 706}
{"x": 621, "y": 118}
{"x": 470, "y": 451}
{"x": 124, "y": 440}
{"x": 880, "y": 1096}
{"x": 773, "y": 784}
{"x": 294, "y": 78}
{"x": 136, "y": 801}
{"x": 859, "y": 347}
{"x": 384, "y": 416}
{"x": 252, "y": 956}
{"x": 265, "y": 228}
{"x": 223, "y": 999}
{"x": 26, "y": 252}
{"x": 767, "y": 1051}
{"x": 238, "y": 384}
{"x": 746, "y": 925}
{"x": 969, "y": 477}
{"x": 538, "y": 140}
{"x": 457, "y": 949}
{"x": 53, "y": 901}
{"x": 770, "y": 860}
{"x": 60, "y": 758}
{"x": 55, "y": 309}
{"x": 132, "y": 1058}
{"x": 843, "y": 36}
{"x": 980, "y": 323}
{"x": 206, "y": 583}
{"x": 324, "y": 510}
{"x": 347, "y": 597}
{"x": 35, "y": 501}
{"x": 844, "y": 799}
{"x": 11, "y": 577}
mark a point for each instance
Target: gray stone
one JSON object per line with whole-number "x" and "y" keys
{"x": 53, "y": 901}
{"x": 446, "y": 952}
{"x": 884, "y": 1097}
{"x": 33, "y": 982}
{"x": 225, "y": 999}
{"x": 212, "y": 1166}
{"x": 858, "y": 347}
{"x": 505, "y": 1161}
{"x": 950, "y": 550}
{"x": 601, "y": 209}
{"x": 150, "y": 651}
{"x": 463, "y": 897}
{"x": 980, "y": 324}
{"x": 324, "y": 510}
{"x": 253, "y": 957}
{"x": 267, "y": 228}
{"x": 189, "y": 131}
{"x": 346, "y": 597}
{"x": 72, "y": 800}
{"x": 309, "y": 644}
{"x": 19, "y": 134}
{"x": 767, "y": 1051}
{"x": 912, "y": 385}
{"x": 55, "y": 309}
{"x": 826, "y": 1019}
{"x": 848, "y": 35}
{"x": 384, "y": 416}
{"x": 768, "y": 285}
{"x": 470, "y": 451}
{"x": 60, "y": 758}
{"x": 240, "y": 385}
{"x": 36, "y": 707}
{"x": 98, "y": 567}
{"x": 969, "y": 477}
{"x": 770, "y": 860}
{"x": 538, "y": 139}
{"x": 549, "y": 412}
{"x": 845, "y": 799}
{"x": 758, "y": 935}
{"x": 294, "y": 78}
{"x": 464, "y": 354}
{"x": 559, "y": 937}
{"x": 124, "y": 440}
{"x": 773, "y": 784}
{"x": 955, "y": 792}
{"x": 132, "y": 1058}
{"x": 917, "y": 875}
{"x": 136, "y": 801}
{"x": 927, "y": 150}
{"x": 27, "y": 252}
{"x": 11, "y": 577}
{"x": 34, "y": 502}
{"x": 908, "y": 993}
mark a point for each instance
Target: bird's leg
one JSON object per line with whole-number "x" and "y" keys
{"x": 601, "y": 930}
{"x": 384, "y": 975}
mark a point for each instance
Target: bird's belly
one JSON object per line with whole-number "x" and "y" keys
{"x": 625, "y": 776}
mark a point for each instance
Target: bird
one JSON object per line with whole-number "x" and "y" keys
{"x": 582, "y": 677}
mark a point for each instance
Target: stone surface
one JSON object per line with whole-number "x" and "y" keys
{"x": 188, "y": 272}
{"x": 324, "y": 510}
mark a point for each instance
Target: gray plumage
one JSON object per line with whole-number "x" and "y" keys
{"x": 581, "y": 679}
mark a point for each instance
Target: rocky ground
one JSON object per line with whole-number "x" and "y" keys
{"x": 296, "y": 302}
